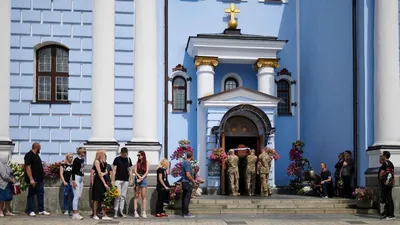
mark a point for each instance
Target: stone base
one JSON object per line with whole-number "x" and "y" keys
{"x": 374, "y": 153}
{"x": 111, "y": 149}
{"x": 152, "y": 150}
{"x": 6, "y": 149}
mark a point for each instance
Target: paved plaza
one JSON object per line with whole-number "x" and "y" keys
{"x": 227, "y": 219}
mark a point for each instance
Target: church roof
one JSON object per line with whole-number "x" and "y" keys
{"x": 239, "y": 89}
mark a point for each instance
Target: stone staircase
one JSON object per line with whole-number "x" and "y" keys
{"x": 254, "y": 205}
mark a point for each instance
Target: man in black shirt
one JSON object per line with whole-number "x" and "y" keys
{"x": 326, "y": 180}
{"x": 347, "y": 174}
{"x": 386, "y": 178}
{"x": 122, "y": 178}
{"x": 34, "y": 175}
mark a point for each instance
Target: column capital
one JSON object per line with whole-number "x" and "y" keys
{"x": 204, "y": 60}
{"x": 274, "y": 63}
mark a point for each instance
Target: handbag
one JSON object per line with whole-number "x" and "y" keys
{"x": 16, "y": 190}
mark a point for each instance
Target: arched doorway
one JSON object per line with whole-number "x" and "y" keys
{"x": 242, "y": 126}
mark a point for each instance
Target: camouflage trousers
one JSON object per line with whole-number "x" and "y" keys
{"x": 250, "y": 182}
{"x": 265, "y": 190}
{"x": 234, "y": 180}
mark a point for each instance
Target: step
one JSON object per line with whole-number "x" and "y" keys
{"x": 272, "y": 201}
{"x": 270, "y": 206}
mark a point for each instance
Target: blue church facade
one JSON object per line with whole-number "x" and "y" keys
{"x": 292, "y": 60}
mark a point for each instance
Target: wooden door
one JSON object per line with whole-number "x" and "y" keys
{"x": 223, "y": 169}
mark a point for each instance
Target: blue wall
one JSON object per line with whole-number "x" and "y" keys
{"x": 326, "y": 79}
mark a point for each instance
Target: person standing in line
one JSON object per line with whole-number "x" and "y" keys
{"x": 163, "y": 171}
{"x": 347, "y": 174}
{"x": 232, "y": 163}
{"x": 386, "y": 175}
{"x": 141, "y": 170}
{"x": 122, "y": 171}
{"x": 338, "y": 175}
{"x": 6, "y": 193}
{"x": 34, "y": 175}
{"x": 65, "y": 175}
{"x": 109, "y": 174}
{"x": 77, "y": 180}
{"x": 99, "y": 184}
{"x": 187, "y": 184}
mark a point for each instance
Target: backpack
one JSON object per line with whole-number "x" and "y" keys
{"x": 388, "y": 176}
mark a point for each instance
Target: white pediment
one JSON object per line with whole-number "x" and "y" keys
{"x": 241, "y": 95}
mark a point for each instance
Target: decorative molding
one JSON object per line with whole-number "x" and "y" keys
{"x": 203, "y": 60}
{"x": 273, "y": 1}
{"x": 293, "y": 104}
{"x": 284, "y": 71}
{"x": 179, "y": 67}
{"x": 231, "y": 75}
{"x": 274, "y": 63}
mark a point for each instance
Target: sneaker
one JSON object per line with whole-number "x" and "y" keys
{"x": 95, "y": 217}
{"x": 116, "y": 215}
{"x": 44, "y": 213}
{"x": 32, "y": 214}
{"x": 106, "y": 218}
{"x": 325, "y": 197}
{"x": 188, "y": 216}
{"x": 144, "y": 215}
{"x": 164, "y": 215}
{"x": 390, "y": 218}
{"x": 77, "y": 217}
{"x": 136, "y": 215}
{"x": 66, "y": 213}
{"x": 123, "y": 215}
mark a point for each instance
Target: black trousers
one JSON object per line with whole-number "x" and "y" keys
{"x": 347, "y": 191}
{"x": 162, "y": 195}
{"x": 187, "y": 189}
{"x": 387, "y": 199}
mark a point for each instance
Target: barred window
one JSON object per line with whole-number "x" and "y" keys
{"x": 230, "y": 83}
{"x": 52, "y": 74}
{"x": 284, "y": 94}
{"x": 179, "y": 95}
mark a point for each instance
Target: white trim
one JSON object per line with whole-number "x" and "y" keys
{"x": 231, "y": 75}
{"x": 298, "y": 66}
{"x": 259, "y": 104}
{"x": 289, "y": 79}
{"x": 233, "y": 50}
{"x": 172, "y": 76}
{"x": 268, "y": 1}
{"x": 35, "y": 49}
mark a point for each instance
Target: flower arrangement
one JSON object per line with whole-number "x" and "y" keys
{"x": 218, "y": 155}
{"x": 298, "y": 167}
{"x": 18, "y": 172}
{"x": 179, "y": 154}
{"x": 109, "y": 197}
{"x": 175, "y": 194}
{"x": 272, "y": 152}
{"x": 52, "y": 171}
{"x": 364, "y": 194}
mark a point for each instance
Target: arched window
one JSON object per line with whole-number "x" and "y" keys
{"x": 179, "y": 96}
{"x": 52, "y": 74}
{"x": 284, "y": 94}
{"x": 230, "y": 83}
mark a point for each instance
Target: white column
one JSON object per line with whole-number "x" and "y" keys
{"x": 103, "y": 80}
{"x": 205, "y": 75}
{"x": 266, "y": 75}
{"x": 6, "y": 145}
{"x": 145, "y": 103}
{"x": 386, "y": 74}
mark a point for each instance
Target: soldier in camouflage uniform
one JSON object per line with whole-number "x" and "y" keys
{"x": 265, "y": 166}
{"x": 251, "y": 172}
{"x": 233, "y": 171}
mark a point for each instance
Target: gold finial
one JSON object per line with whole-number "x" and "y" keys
{"x": 232, "y": 24}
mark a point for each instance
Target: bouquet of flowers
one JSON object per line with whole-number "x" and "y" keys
{"x": 175, "y": 193}
{"x": 52, "y": 171}
{"x": 218, "y": 155}
{"x": 109, "y": 197}
{"x": 363, "y": 194}
{"x": 272, "y": 152}
{"x": 177, "y": 170}
{"x": 18, "y": 172}
{"x": 179, "y": 154}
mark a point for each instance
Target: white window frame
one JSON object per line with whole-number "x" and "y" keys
{"x": 291, "y": 82}
{"x": 231, "y": 75}
{"x": 170, "y": 89}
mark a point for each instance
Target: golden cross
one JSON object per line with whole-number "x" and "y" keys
{"x": 232, "y": 10}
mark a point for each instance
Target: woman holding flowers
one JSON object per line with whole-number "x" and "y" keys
{"x": 6, "y": 181}
{"x": 99, "y": 184}
{"x": 65, "y": 175}
{"x": 163, "y": 171}
{"x": 140, "y": 186}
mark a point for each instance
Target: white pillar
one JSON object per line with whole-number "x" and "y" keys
{"x": 6, "y": 146}
{"x": 387, "y": 82}
{"x": 145, "y": 103}
{"x": 266, "y": 75}
{"x": 205, "y": 75}
{"x": 103, "y": 81}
